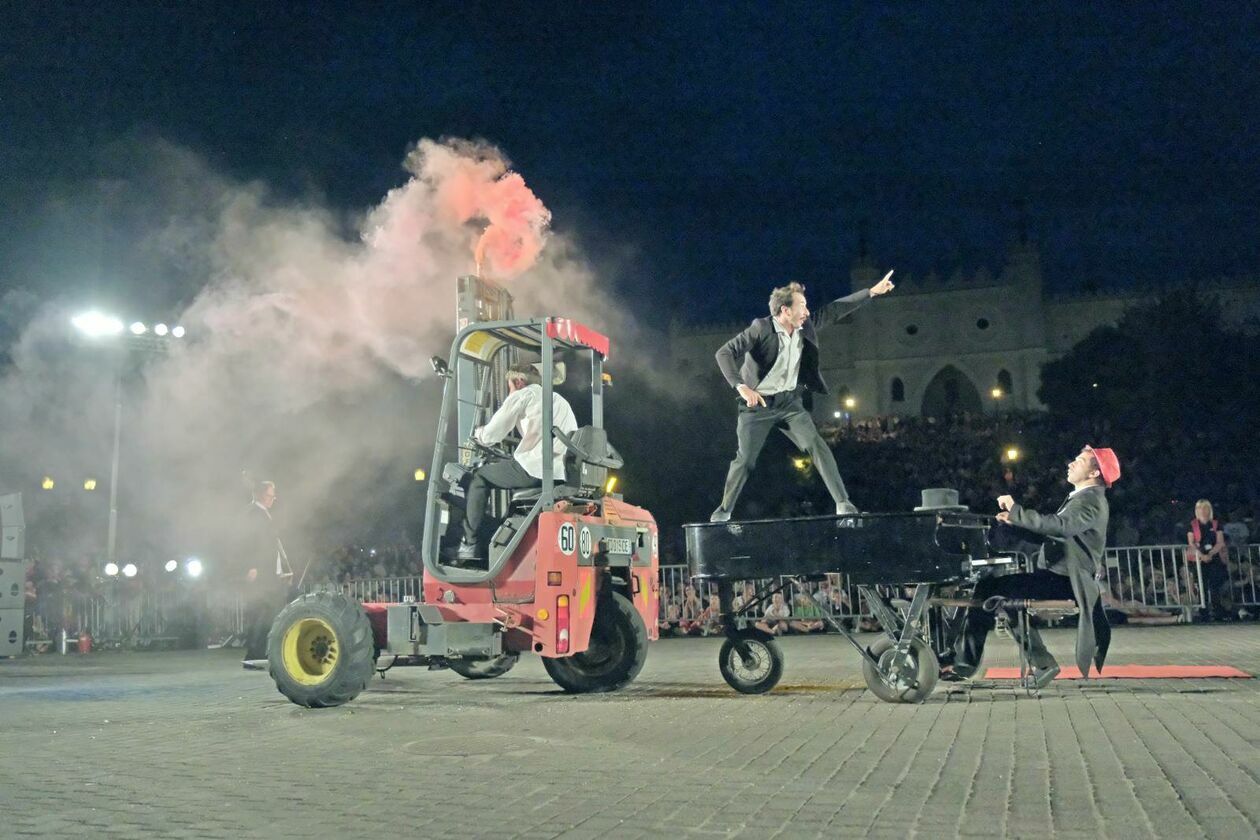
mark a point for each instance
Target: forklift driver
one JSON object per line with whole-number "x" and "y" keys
{"x": 521, "y": 410}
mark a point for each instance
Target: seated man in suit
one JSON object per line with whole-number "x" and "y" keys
{"x": 1072, "y": 553}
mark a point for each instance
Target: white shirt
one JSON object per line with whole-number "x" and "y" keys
{"x": 778, "y": 612}
{"x": 281, "y": 558}
{"x": 523, "y": 410}
{"x": 787, "y": 365}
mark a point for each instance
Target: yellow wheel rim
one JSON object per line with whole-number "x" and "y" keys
{"x": 310, "y": 650}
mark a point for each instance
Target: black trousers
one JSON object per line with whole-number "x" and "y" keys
{"x": 1042, "y": 584}
{"x": 262, "y": 605}
{"x": 1218, "y": 596}
{"x": 753, "y": 426}
{"x": 506, "y": 474}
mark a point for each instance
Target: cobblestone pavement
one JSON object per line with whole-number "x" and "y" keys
{"x": 189, "y": 745}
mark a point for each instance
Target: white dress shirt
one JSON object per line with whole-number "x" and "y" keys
{"x": 523, "y": 410}
{"x": 282, "y": 559}
{"x": 787, "y": 365}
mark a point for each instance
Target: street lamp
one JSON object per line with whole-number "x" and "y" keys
{"x": 850, "y": 403}
{"x": 996, "y": 393}
{"x": 98, "y": 325}
{"x": 1012, "y": 454}
{"x": 95, "y": 324}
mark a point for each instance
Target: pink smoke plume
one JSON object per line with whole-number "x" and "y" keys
{"x": 475, "y": 184}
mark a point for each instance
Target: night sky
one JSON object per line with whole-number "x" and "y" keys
{"x": 721, "y": 146}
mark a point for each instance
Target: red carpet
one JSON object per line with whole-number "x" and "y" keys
{"x": 1132, "y": 672}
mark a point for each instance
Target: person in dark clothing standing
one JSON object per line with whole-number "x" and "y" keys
{"x": 1208, "y": 549}
{"x": 1075, "y": 541}
{"x": 770, "y": 365}
{"x": 265, "y": 575}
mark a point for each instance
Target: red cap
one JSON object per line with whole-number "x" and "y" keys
{"x": 1108, "y": 464}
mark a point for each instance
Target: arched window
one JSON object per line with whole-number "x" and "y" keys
{"x": 1004, "y": 381}
{"x": 898, "y": 390}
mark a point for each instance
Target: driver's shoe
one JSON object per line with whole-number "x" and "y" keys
{"x": 467, "y": 552}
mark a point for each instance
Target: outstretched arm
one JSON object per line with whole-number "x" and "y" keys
{"x": 1082, "y": 513}
{"x": 505, "y": 419}
{"x": 838, "y": 309}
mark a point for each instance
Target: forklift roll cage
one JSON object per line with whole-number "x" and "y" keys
{"x": 478, "y": 349}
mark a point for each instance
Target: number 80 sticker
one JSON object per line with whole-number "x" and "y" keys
{"x": 566, "y": 537}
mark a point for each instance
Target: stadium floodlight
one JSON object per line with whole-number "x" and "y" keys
{"x": 138, "y": 328}
{"x": 95, "y": 324}
{"x": 193, "y": 567}
{"x": 177, "y": 332}
{"x": 160, "y": 329}
{"x": 129, "y": 570}
{"x": 111, "y": 569}
{"x": 172, "y": 565}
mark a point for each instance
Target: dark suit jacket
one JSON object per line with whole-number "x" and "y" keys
{"x": 1076, "y": 547}
{"x": 748, "y": 357}
{"x": 258, "y": 547}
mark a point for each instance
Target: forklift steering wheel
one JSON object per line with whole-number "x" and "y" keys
{"x": 486, "y": 451}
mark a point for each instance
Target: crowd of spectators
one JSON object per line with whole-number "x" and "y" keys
{"x": 888, "y": 461}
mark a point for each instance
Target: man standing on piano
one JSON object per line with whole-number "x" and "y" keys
{"x": 1073, "y": 542}
{"x": 771, "y": 364}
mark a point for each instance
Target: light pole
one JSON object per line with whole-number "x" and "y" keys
{"x": 850, "y": 403}
{"x": 99, "y": 327}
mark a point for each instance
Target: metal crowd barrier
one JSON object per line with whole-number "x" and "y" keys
{"x": 393, "y": 590}
{"x": 127, "y": 614}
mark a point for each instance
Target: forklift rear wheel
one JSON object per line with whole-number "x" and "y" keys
{"x": 751, "y": 662}
{"x": 484, "y": 669}
{"x": 615, "y": 655}
{"x": 319, "y": 650}
{"x": 911, "y": 674}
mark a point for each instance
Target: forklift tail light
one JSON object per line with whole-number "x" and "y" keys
{"x": 562, "y": 624}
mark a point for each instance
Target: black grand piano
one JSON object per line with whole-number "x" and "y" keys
{"x": 923, "y": 550}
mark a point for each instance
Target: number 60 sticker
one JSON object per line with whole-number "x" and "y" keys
{"x": 566, "y": 537}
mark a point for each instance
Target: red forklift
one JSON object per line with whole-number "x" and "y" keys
{"x": 570, "y": 567}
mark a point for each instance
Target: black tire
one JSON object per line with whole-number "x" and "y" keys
{"x": 484, "y": 669}
{"x": 615, "y": 655}
{"x": 913, "y": 674}
{"x": 751, "y": 662}
{"x": 319, "y": 650}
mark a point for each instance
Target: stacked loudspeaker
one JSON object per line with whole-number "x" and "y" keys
{"x": 12, "y": 575}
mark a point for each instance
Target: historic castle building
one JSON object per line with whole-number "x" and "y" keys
{"x": 963, "y": 344}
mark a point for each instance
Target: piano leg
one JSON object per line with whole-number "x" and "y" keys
{"x": 901, "y": 667}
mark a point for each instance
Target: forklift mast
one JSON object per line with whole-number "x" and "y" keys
{"x": 480, "y": 389}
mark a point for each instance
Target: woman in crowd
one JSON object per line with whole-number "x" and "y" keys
{"x": 1207, "y": 548}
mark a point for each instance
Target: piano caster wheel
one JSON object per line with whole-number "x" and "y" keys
{"x": 910, "y": 675}
{"x": 756, "y": 669}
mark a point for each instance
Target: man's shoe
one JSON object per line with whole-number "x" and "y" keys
{"x": 720, "y": 515}
{"x": 467, "y": 552}
{"x": 254, "y": 664}
{"x": 1039, "y": 678}
{"x": 846, "y": 508}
